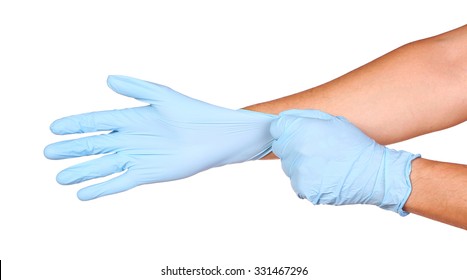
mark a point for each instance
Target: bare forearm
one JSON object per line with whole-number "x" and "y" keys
{"x": 439, "y": 192}
{"x": 416, "y": 89}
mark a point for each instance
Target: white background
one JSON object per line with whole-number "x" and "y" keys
{"x": 54, "y": 60}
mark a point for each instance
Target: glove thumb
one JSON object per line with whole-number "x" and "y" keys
{"x": 279, "y": 125}
{"x": 144, "y": 91}
{"x": 290, "y": 117}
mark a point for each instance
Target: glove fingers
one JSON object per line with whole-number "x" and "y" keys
{"x": 90, "y": 122}
{"x": 92, "y": 169}
{"x": 290, "y": 117}
{"x": 91, "y": 145}
{"x": 118, "y": 184}
{"x": 288, "y": 123}
{"x": 144, "y": 91}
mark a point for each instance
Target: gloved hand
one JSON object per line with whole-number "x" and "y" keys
{"x": 172, "y": 138}
{"x": 330, "y": 161}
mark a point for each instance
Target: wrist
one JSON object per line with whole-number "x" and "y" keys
{"x": 396, "y": 183}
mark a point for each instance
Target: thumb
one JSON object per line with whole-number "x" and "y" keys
{"x": 281, "y": 124}
{"x": 141, "y": 90}
{"x": 290, "y": 118}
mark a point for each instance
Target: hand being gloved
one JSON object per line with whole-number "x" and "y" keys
{"x": 172, "y": 138}
{"x": 330, "y": 161}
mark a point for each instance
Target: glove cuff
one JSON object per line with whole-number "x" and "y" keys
{"x": 397, "y": 166}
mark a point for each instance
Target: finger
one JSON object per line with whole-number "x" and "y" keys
{"x": 91, "y": 122}
{"x": 288, "y": 122}
{"x": 281, "y": 129}
{"x": 145, "y": 91}
{"x": 313, "y": 114}
{"x": 118, "y": 184}
{"x": 92, "y": 169}
{"x": 91, "y": 145}
{"x": 306, "y": 177}
{"x": 281, "y": 124}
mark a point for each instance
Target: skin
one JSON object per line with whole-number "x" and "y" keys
{"x": 416, "y": 89}
{"x": 439, "y": 192}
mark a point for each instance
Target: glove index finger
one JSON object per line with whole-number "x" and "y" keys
{"x": 89, "y": 122}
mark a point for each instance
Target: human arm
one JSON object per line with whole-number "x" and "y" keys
{"x": 439, "y": 192}
{"x": 418, "y": 88}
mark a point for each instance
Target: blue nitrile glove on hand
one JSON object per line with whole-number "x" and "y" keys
{"x": 330, "y": 161}
{"x": 172, "y": 138}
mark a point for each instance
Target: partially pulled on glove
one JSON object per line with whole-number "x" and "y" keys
{"x": 173, "y": 137}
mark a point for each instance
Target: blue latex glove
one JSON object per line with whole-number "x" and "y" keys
{"x": 330, "y": 161}
{"x": 172, "y": 138}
